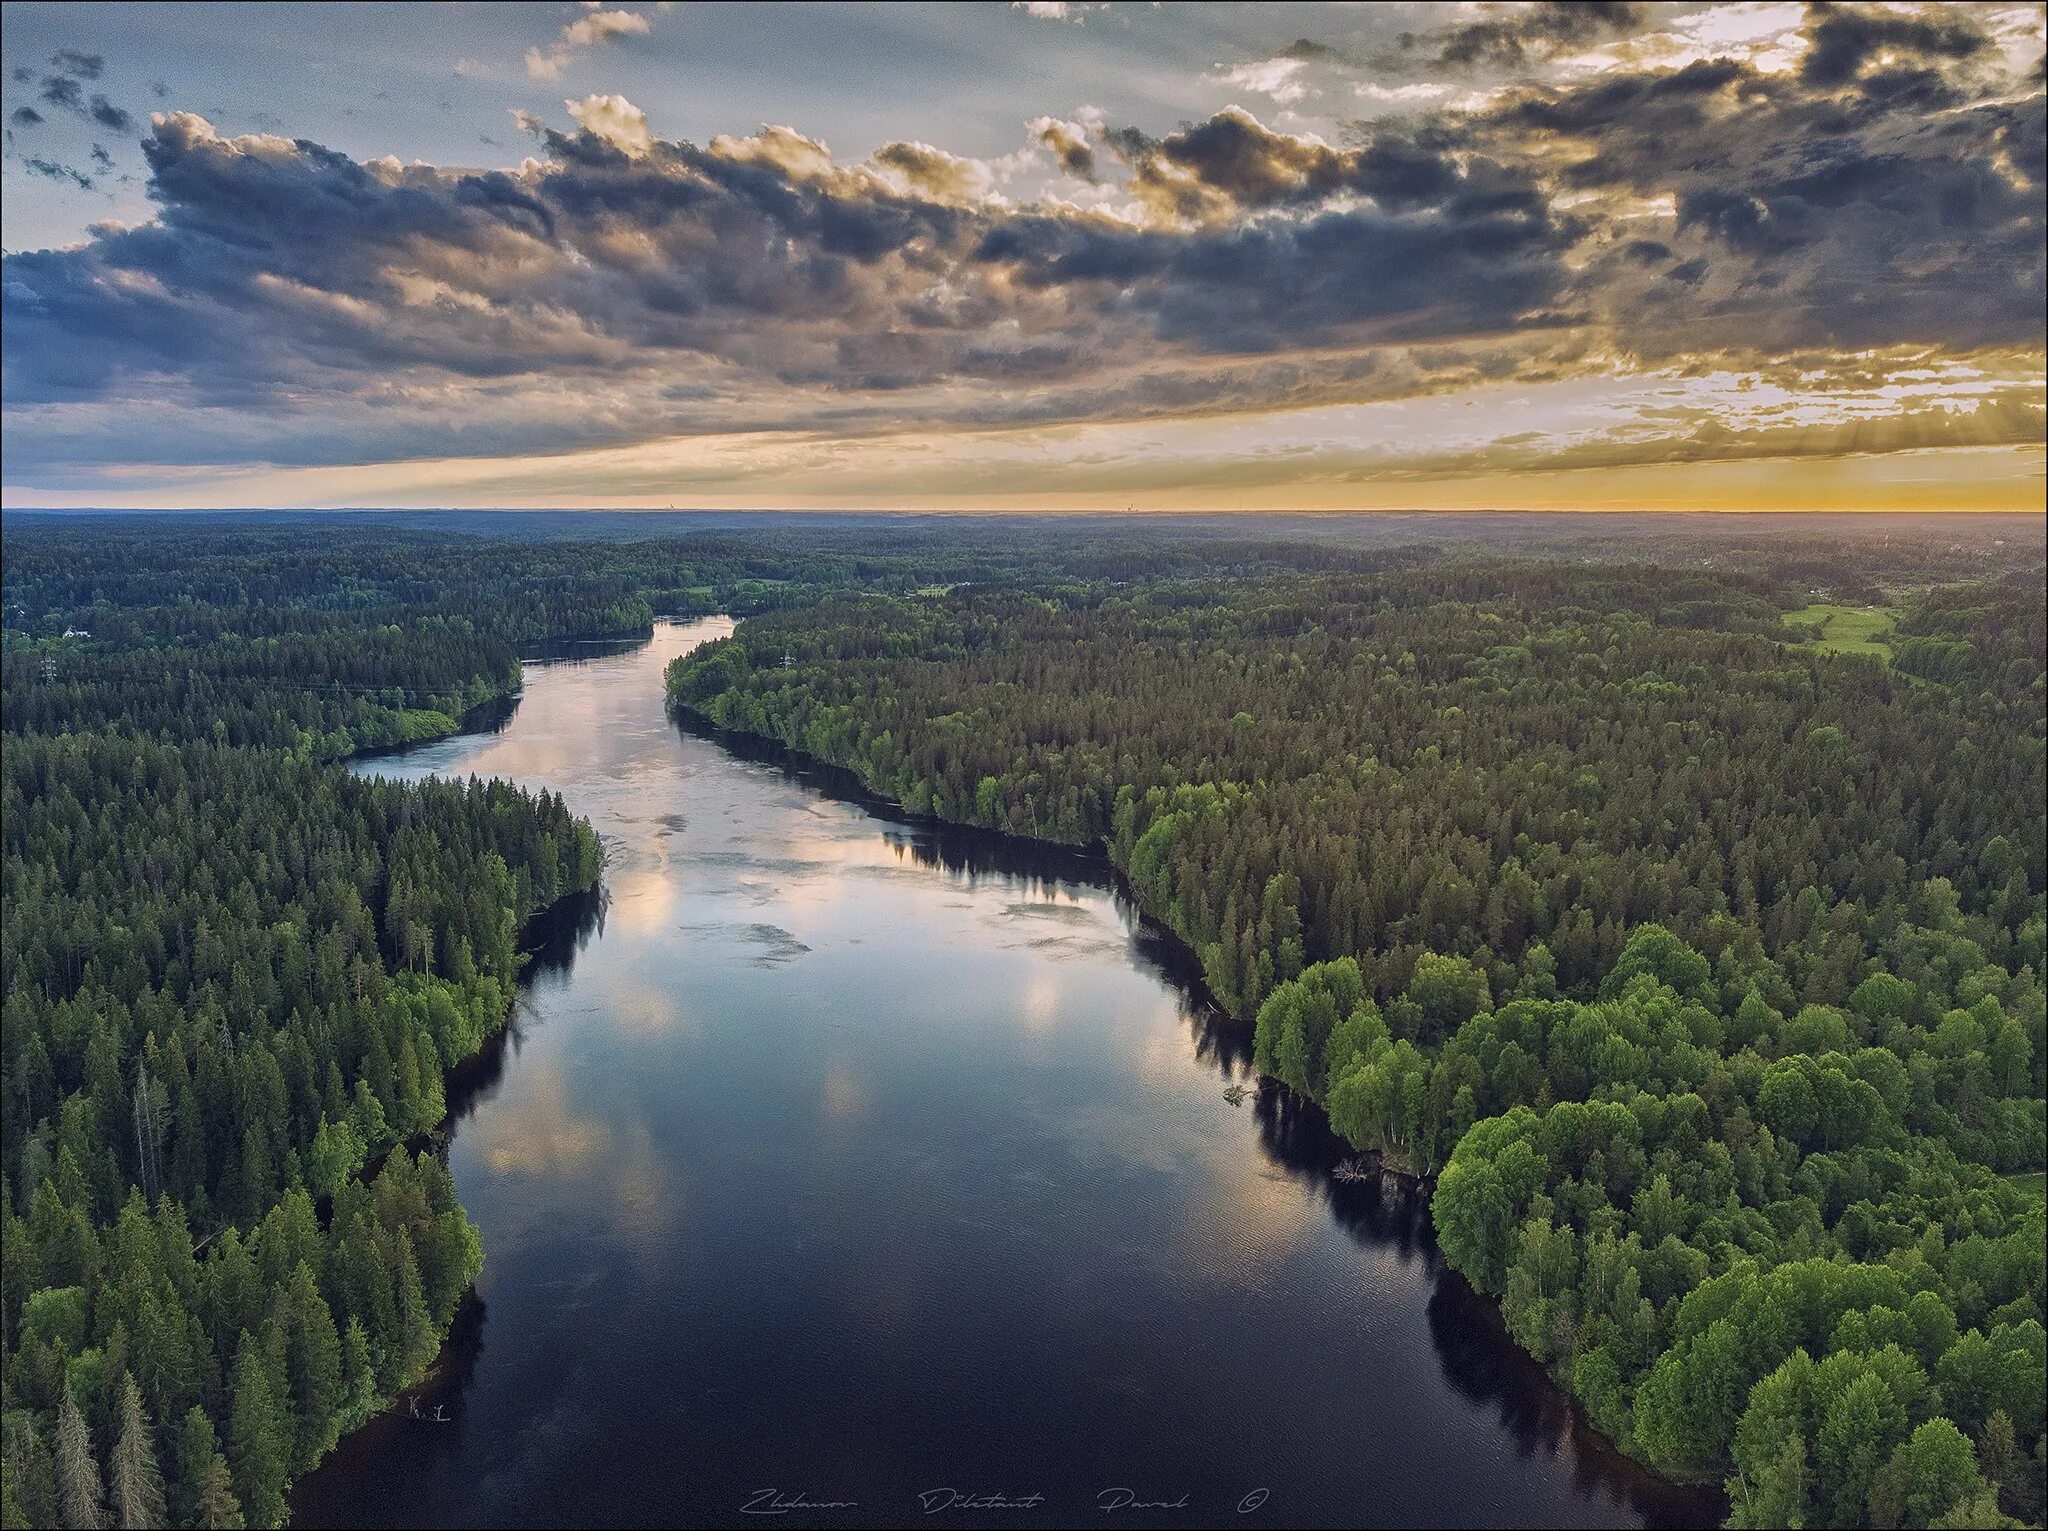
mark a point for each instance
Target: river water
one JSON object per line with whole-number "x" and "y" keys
{"x": 880, "y": 1171}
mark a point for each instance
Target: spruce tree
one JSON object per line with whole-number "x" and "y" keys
{"x": 416, "y": 1338}
{"x": 136, "y": 1482}
{"x": 202, "y": 1471}
{"x": 259, "y": 1437}
{"x": 30, "y": 1487}
{"x": 80, "y": 1497}
{"x": 313, "y": 1359}
{"x": 215, "y": 1507}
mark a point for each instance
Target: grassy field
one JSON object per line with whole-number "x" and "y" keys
{"x": 2034, "y": 1181}
{"x": 1846, "y": 629}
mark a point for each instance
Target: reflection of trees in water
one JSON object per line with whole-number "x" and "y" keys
{"x": 490, "y": 717}
{"x": 376, "y": 1471}
{"x": 553, "y": 937}
{"x": 551, "y": 942}
{"x": 579, "y": 651}
{"x": 1222, "y": 1043}
{"x": 1482, "y": 1363}
{"x": 448, "y": 1383}
{"x": 1379, "y": 1212}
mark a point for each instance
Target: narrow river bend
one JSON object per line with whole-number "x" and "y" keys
{"x": 873, "y": 1170}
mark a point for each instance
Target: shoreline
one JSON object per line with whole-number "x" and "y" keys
{"x": 461, "y": 1078}
{"x": 1189, "y": 974}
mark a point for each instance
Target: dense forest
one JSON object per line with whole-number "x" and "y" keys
{"x": 1700, "y": 964}
{"x": 235, "y": 976}
{"x": 1697, "y": 956}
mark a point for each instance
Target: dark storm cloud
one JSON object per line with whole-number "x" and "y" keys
{"x": 108, "y": 115}
{"x": 1846, "y": 41}
{"x": 1512, "y": 35}
{"x": 1230, "y": 164}
{"x": 83, "y": 66}
{"x": 1808, "y": 210}
{"x": 50, "y": 170}
{"x": 1307, "y": 50}
{"x": 25, "y": 117}
{"x": 291, "y": 303}
{"x": 63, "y": 92}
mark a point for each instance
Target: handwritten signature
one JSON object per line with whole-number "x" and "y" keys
{"x": 1127, "y": 1499}
{"x": 933, "y": 1500}
{"x": 774, "y": 1501}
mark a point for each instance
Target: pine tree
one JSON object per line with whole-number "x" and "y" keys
{"x": 78, "y": 1474}
{"x": 31, "y": 1473}
{"x": 259, "y": 1437}
{"x": 215, "y": 1507}
{"x": 205, "y": 1493}
{"x": 313, "y": 1362}
{"x": 136, "y": 1481}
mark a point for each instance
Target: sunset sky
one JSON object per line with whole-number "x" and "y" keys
{"x": 1744, "y": 256}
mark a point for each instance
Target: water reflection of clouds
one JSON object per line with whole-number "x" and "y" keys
{"x": 845, "y": 1094}
{"x": 1039, "y": 1003}
{"x": 538, "y": 1132}
{"x": 643, "y": 1009}
{"x": 1249, "y": 1220}
{"x": 609, "y": 1165}
{"x": 1246, "y": 1216}
{"x": 643, "y": 903}
{"x": 647, "y": 1201}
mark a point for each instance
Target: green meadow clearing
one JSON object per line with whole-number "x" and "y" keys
{"x": 1846, "y": 629}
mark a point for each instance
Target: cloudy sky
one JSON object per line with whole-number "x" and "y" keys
{"x": 1751, "y": 255}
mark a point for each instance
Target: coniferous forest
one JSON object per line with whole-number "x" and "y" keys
{"x": 1693, "y": 955}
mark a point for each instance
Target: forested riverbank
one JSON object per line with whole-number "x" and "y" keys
{"x": 962, "y": 1102}
{"x": 236, "y": 976}
{"x": 1740, "y": 1180}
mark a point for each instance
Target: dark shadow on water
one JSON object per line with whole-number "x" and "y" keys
{"x": 553, "y": 938}
{"x": 550, "y": 942}
{"x": 410, "y": 1440}
{"x": 1482, "y": 1362}
{"x": 583, "y": 650}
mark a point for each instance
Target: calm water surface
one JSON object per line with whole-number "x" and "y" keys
{"x": 882, "y": 1167}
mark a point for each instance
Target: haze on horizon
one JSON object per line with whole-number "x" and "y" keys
{"x": 1050, "y": 255}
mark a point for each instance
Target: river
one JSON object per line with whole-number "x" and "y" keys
{"x": 878, "y": 1171}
